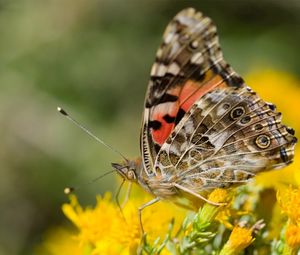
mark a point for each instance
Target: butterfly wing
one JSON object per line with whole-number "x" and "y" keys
{"x": 203, "y": 127}
{"x": 227, "y": 137}
{"x": 188, "y": 65}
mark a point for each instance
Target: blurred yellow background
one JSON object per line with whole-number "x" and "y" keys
{"x": 93, "y": 58}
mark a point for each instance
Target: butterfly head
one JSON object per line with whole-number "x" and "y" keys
{"x": 127, "y": 169}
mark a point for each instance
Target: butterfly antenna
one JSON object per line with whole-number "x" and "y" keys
{"x": 64, "y": 113}
{"x": 69, "y": 190}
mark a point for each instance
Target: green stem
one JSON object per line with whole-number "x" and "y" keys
{"x": 289, "y": 251}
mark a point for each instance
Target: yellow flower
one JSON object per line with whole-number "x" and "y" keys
{"x": 239, "y": 239}
{"x": 218, "y": 196}
{"x": 289, "y": 201}
{"x": 292, "y": 236}
{"x": 104, "y": 230}
{"x": 60, "y": 241}
{"x": 208, "y": 212}
{"x": 223, "y": 217}
{"x": 222, "y": 196}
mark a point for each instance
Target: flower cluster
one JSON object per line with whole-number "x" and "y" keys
{"x": 106, "y": 229}
{"x": 289, "y": 201}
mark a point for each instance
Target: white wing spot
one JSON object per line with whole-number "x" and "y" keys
{"x": 197, "y": 58}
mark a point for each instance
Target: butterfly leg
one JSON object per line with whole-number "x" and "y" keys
{"x": 117, "y": 198}
{"x": 118, "y": 194}
{"x": 127, "y": 195}
{"x": 151, "y": 202}
{"x": 197, "y": 195}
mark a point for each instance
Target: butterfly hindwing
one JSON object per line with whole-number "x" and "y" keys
{"x": 227, "y": 137}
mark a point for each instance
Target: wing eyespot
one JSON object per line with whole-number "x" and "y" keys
{"x": 237, "y": 112}
{"x": 226, "y": 106}
{"x": 263, "y": 141}
{"x": 245, "y": 119}
{"x": 258, "y": 127}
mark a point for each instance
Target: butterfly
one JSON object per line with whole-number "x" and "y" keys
{"x": 203, "y": 128}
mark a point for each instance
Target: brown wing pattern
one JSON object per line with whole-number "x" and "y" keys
{"x": 188, "y": 65}
{"x": 228, "y": 136}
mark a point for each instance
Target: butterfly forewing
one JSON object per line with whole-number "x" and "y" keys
{"x": 185, "y": 69}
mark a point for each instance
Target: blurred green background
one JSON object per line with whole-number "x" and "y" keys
{"x": 93, "y": 57}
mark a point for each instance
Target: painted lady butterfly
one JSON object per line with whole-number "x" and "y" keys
{"x": 203, "y": 128}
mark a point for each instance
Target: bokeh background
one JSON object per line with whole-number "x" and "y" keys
{"x": 93, "y": 58}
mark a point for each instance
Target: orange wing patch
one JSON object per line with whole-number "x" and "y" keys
{"x": 193, "y": 90}
{"x": 167, "y": 115}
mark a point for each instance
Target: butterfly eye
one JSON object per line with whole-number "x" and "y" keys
{"x": 237, "y": 112}
{"x": 263, "y": 141}
{"x": 131, "y": 175}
